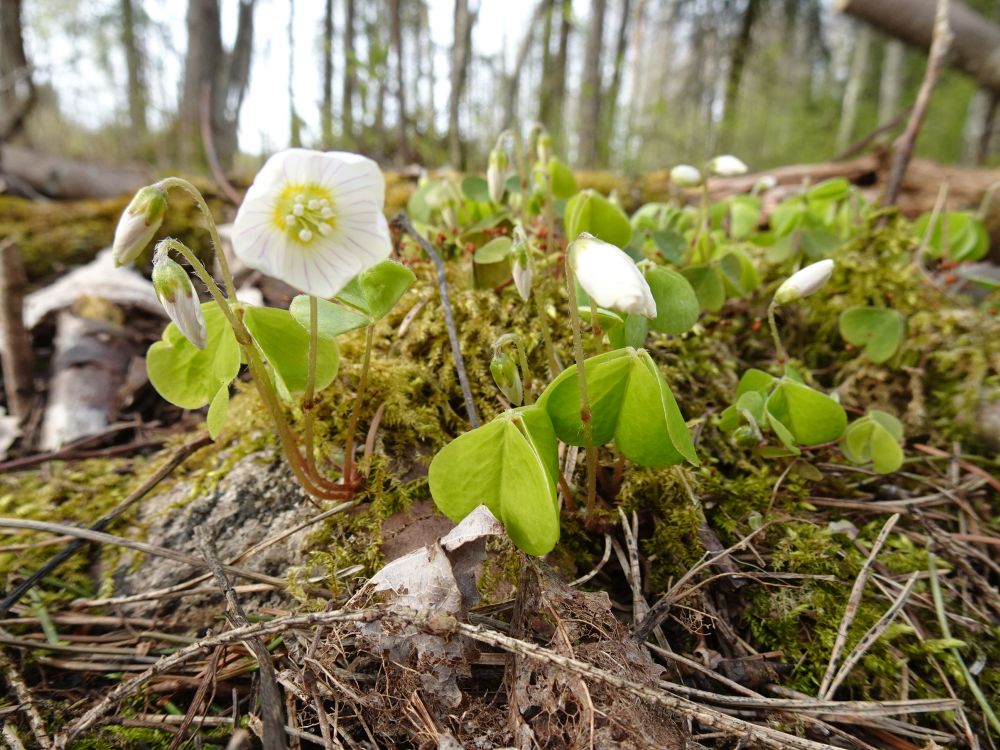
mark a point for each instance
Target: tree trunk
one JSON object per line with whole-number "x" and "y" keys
{"x": 225, "y": 75}
{"x": 350, "y": 74}
{"x": 17, "y": 94}
{"x": 326, "y": 115}
{"x": 133, "y": 64}
{"x": 610, "y": 103}
{"x": 975, "y": 48}
{"x": 852, "y": 90}
{"x": 590, "y": 86}
{"x": 396, "y": 24}
{"x": 989, "y": 125}
{"x": 514, "y": 77}
{"x": 737, "y": 64}
{"x": 428, "y": 54}
{"x": 459, "y": 73}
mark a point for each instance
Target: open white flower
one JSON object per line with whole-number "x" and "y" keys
{"x": 727, "y": 165}
{"x": 804, "y": 282}
{"x": 610, "y": 277}
{"x": 314, "y": 219}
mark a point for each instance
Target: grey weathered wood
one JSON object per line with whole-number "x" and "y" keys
{"x": 976, "y": 46}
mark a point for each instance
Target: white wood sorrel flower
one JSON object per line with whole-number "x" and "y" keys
{"x": 610, "y": 277}
{"x": 804, "y": 282}
{"x": 314, "y": 219}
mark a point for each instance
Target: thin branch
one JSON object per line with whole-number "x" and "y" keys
{"x": 403, "y": 223}
{"x": 141, "y": 491}
{"x": 940, "y": 44}
{"x": 25, "y": 698}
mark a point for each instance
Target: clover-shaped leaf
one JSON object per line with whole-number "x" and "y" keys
{"x": 509, "y": 465}
{"x": 285, "y": 345}
{"x": 877, "y": 437}
{"x": 190, "y": 377}
{"x": 332, "y": 319}
{"x": 376, "y": 291}
{"x": 630, "y": 403}
{"x": 801, "y": 415}
{"x": 880, "y": 330}
{"x": 708, "y": 285}
{"x": 589, "y": 211}
{"x": 676, "y": 302}
{"x": 957, "y": 236}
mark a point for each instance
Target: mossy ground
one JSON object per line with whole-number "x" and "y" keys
{"x": 951, "y": 358}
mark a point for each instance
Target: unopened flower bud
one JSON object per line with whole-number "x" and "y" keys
{"x": 507, "y": 378}
{"x": 727, "y": 166}
{"x": 496, "y": 173}
{"x": 765, "y": 183}
{"x": 176, "y": 293}
{"x": 745, "y": 436}
{"x": 543, "y": 147}
{"x": 610, "y": 277}
{"x": 139, "y": 224}
{"x": 521, "y": 270}
{"x": 804, "y": 282}
{"x": 685, "y": 176}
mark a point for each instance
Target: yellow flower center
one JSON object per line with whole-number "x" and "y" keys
{"x": 306, "y": 212}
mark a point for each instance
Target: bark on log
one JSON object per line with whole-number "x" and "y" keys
{"x": 61, "y": 178}
{"x": 976, "y": 46}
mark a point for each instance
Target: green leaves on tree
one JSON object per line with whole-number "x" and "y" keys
{"x": 509, "y": 465}
{"x": 880, "y": 330}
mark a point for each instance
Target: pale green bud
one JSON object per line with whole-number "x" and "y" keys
{"x": 507, "y": 378}
{"x": 139, "y": 224}
{"x": 521, "y": 270}
{"x": 176, "y": 293}
{"x": 496, "y": 173}
{"x": 543, "y": 147}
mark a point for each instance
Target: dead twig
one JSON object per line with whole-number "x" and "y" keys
{"x": 403, "y": 223}
{"x": 270, "y": 693}
{"x": 903, "y": 147}
{"x": 853, "y": 602}
{"x": 27, "y": 701}
{"x": 141, "y": 491}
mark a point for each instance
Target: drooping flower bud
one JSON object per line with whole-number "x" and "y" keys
{"x": 139, "y": 224}
{"x": 765, "y": 183}
{"x": 685, "y": 176}
{"x": 176, "y": 293}
{"x": 610, "y": 277}
{"x": 496, "y": 173}
{"x": 804, "y": 282}
{"x": 507, "y": 378}
{"x": 521, "y": 270}
{"x": 727, "y": 165}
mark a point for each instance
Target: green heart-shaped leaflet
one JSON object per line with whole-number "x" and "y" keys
{"x": 880, "y": 330}
{"x": 376, "y": 291}
{"x": 875, "y": 437}
{"x": 676, "y": 302}
{"x": 285, "y": 345}
{"x": 509, "y": 465}
{"x": 190, "y": 377}
{"x": 803, "y": 414}
{"x": 708, "y": 286}
{"x": 630, "y": 403}
{"x": 589, "y": 211}
{"x": 332, "y": 319}
{"x": 753, "y": 387}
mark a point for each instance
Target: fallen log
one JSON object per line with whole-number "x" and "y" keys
{"x": 66, "y": 179}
